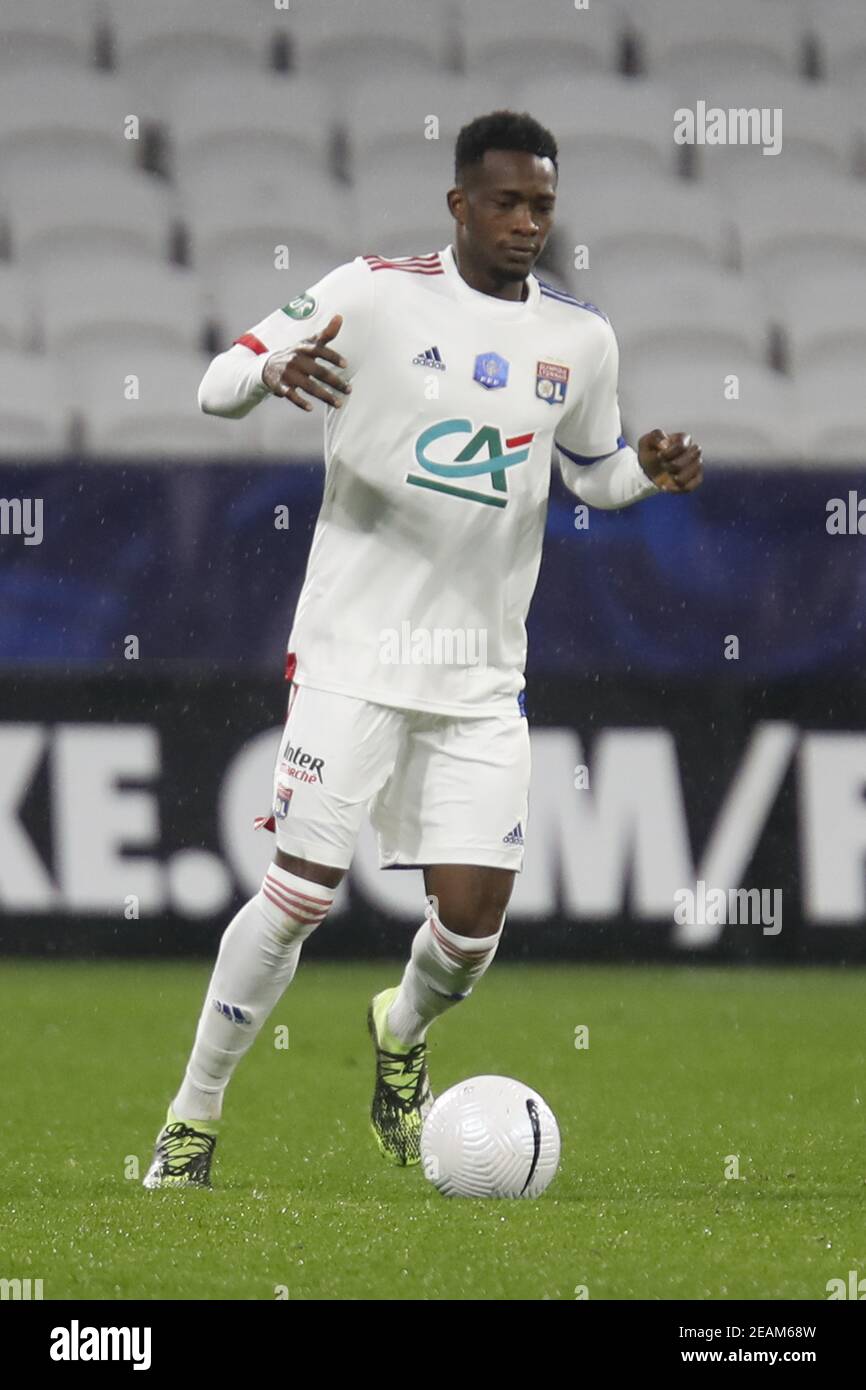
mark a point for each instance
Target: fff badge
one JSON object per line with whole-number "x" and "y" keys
{"x": 491, "y": 370}
{"x": 551, "y": 382}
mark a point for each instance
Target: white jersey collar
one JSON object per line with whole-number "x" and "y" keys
{"x": 488, "y": 303}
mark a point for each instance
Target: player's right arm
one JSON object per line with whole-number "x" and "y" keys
{"x": 291, "y": 353}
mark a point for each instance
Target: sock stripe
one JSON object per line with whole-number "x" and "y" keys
{"x": 304, "y": 915}
{"x": 293, "y": 892}
{"x": 465, "y": 957}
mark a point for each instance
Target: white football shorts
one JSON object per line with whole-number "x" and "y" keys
{"x": 439, "y": 789}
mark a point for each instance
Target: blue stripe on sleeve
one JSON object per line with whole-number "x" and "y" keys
{"x": 580, "y": 458}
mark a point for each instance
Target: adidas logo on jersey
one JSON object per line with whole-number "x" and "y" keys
{"x": 515, "y": 836}
{"x": 430, "y": 357}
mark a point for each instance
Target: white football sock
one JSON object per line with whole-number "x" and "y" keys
{"x": 441, "y": 971}
{"x": 257, "y": 960}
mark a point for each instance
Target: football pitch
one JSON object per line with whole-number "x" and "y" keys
{"x": 689, "y": 1074}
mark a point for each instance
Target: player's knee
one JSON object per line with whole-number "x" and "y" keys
{"x": 485, "y": 919}
{"x": 303, "y": 868}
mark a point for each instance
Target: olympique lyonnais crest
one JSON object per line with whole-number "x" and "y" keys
{"x": 551, "y": 382}
{"x": 281, "y": 804}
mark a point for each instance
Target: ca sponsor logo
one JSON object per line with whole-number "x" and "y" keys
{"x": 484, "y": 455}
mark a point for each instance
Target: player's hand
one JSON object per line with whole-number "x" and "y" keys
{"x": 300, "y": 368}
{"x": 672, "y": 461}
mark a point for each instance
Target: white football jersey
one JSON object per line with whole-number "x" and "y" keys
{"x": 437, "y": 469}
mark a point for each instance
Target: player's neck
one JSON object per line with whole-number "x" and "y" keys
{"x": 479, "y": 278}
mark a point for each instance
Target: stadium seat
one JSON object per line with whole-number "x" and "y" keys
{"x": 35, "y": 406}
{"x": 391, "y": 122}
{"x": 242, "y": 294}
{"x": 109, "y": 210}
{"x": 839, "y": 30}
{"x": 670, "y": 223}
{"x": 816, "y": 127}
{"x": 695, "y": 309}
{"x": 397, "y": 212}
{"x": 605, "y": 124}
{"x": 509, "y": 39}
{"x": 228, "y": 221}
{"x": 688, "y": 394}
{"x": 291, "y": 433}
{"x": 775, "y": 223}
{"x": 345, "y": 41}
{"x": 79, "y": 116}
{"x": 823, "y": 319}
{"x": 90, "y": 303}
{"x": 17, "y": 310}
{"x": 161, "y": 45}
{"x": 831, "y": 411}
{"x": 758, "y": 38}
{"x": 29, "y": 38}
{"x": 165, "y": 420}
{"x": 230, "y": 119}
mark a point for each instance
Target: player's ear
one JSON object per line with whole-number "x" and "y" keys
{"x": 457, "y": 204}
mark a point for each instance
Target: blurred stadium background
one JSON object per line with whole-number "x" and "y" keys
{"x": 171, "y": 172}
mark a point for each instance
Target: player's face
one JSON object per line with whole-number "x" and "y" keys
{"x": 506, "y": 211}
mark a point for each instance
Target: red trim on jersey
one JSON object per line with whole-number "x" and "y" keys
{"x": 520, "y": 439}
{"x": 413, "y": 265}
{"x": 291, "y": 666}
{"x": 249, "y": 340}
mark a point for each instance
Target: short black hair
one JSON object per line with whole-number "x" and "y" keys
{"x": 503, "y": 130}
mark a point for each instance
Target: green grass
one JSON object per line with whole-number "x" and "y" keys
{"x": 684, "y": 1067}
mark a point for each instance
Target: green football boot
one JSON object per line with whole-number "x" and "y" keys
{"x": 402, "y": 1097}
{"x": 183, "y": 1154}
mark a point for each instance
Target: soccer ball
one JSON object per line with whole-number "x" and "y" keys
{"x": 490, "y": 1136}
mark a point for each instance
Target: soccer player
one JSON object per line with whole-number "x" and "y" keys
{"x": 447, "y": 378}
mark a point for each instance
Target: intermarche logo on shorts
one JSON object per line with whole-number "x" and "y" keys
{"x": 302, "y": 766}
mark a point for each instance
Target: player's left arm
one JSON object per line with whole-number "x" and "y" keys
{"x": 595, "y": 461}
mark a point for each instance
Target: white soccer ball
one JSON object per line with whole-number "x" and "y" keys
{"x": 490, "y": 1136}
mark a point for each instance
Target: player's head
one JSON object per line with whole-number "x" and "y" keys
{"x": 505, "y": 190}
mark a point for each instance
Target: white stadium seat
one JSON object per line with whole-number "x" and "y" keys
{"x": 823, "y": 319}
{"x": 689, "y": 394}
{"x": 343, "y": 42}
{"x": 226, "y": 222}
{"x": 18, "y": 327}
{"x": 35, "y": 406}
{"x": 605, "y": 120}
{"x": 240, "y": 117}
{"x": 50, "y": 116}
{"x": 95, "y": 303}
{"x": 780, "y": 222}
{"x": 839, "y": 27}
{"x": 831, "y": 411}
{"x": 694, "y": 309}
{"x": 165, "y": 420}
{"x": 755, "y": 37}
{"x": 162, "y": 44}
{"x": 391, "y": 122}
{"x": 31, "y": 38}
{"x": 816, "y": 126}
{"x": 289, "y": 432}
{"x": 512, "y": 40}
{"x": 398, "y": 212}
{"x": 110, "y": 210}
{"x": 642, "y": 221}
